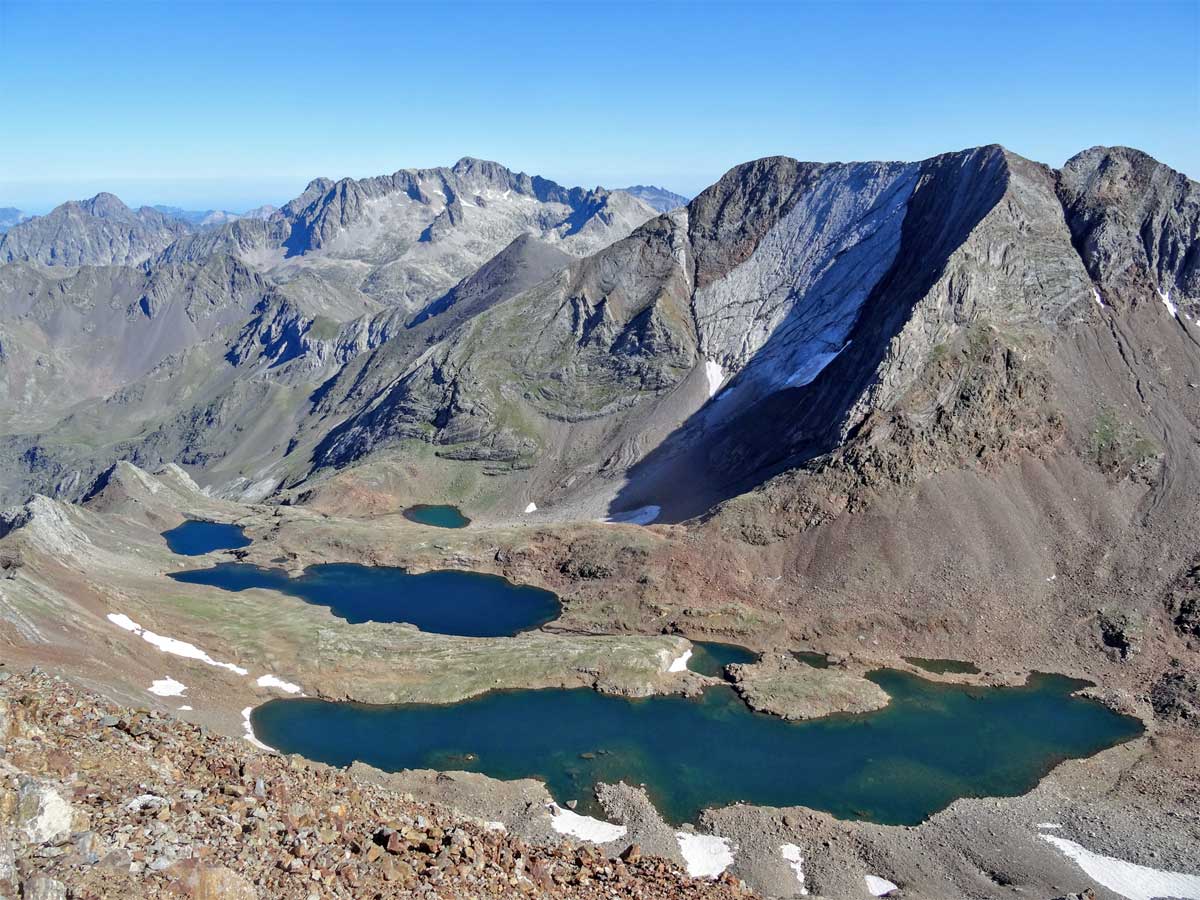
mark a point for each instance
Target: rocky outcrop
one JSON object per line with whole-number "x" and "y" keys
{"x": 1136, "y": 224}
{"x": 783, "y": 686}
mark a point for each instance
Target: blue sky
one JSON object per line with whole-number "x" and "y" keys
{"x": 232, "y": 105}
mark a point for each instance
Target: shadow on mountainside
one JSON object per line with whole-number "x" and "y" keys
{"x": 734, "y": 443}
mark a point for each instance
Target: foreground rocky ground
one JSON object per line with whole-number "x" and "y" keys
{"x": 98, "y": 800}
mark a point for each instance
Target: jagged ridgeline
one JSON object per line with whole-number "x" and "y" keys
{"x": 811, "y": 331}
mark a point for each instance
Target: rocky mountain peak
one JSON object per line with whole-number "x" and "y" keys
{"x": 105, "y": 205}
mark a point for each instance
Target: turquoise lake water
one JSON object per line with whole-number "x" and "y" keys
{"x": 438, "y": 516}
{"x": 444, "y": 602}
{"x": 195, "y": 538}
{"x": 932, "y": 744}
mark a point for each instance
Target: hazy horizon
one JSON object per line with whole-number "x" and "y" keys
{"x": 192, "y": 106}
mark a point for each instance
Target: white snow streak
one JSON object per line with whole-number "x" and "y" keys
{"x": 167, "y": 687}
{"x": 248, "y": 730}
{"x": 273, "y": 681}
{"x": 531, "y": 508}
{"x": 185, "y": 709}
{"x": 1099, "y": 299}
{"x": 583, "y": 827}
{"x": 680, "y": 664}
{"x": 1171, "y": 307}
{"x": 879, "y": 887}
{"x": 715, "y": 375}
{"x": 705, "y": 855}
{"x": 791, "y": 853}
{"x": 1125, "y": 878}
{"x": 169, "y": 644}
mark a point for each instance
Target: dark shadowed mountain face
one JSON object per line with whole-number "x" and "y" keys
{"x": 657, "y": 197}
{"x": 865, "y": 323}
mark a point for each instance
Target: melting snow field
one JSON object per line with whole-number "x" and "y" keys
{"x": 248, "y": 730}
{"x": 271, "y": 681}
{"x": 680, "y": 664}
{"x": 879, "y": 887}
{"x": 1125, "y": 878}
{"x": 167, "y": 687}
{"x": 715, "y": 375}
{"x": 791, "y": 853}
{"x": 170, "y": 645}
{"x": 583, "y": 827}
{"x": 705, "y": 855}
{"x": 1171, "y": 307}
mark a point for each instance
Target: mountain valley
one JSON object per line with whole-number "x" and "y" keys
{"x": 870, "y": 412}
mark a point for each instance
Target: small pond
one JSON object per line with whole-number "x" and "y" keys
{"x": 437, "y": 516}
{"x": 943, "y": 666}
{"x": 196, "y": 537}
{"x": 812, "y": 658}
{"x": 710, "y": 658}
{"x": 444, "y": 602}
{"x": 931, "y": 745}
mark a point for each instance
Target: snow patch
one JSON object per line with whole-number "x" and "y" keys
{"x": 879, "y": 887}
{"x": 705, "y": 855}
{"x": 167, "y": 687}
{"x": 715, "y": 375}
{"x": 169, "y": 644}
{"x": 643, "y": 515}
{"x": 185, "y": 709}
{"x": 680, "y": 664}
{"x": 123, "y": 621}
{"x": 271, "y": 681}
{"x": 1048, "y": 825}
{"x": 1125, "y": 878}
{"x": 1099, "y": 300}
{"x": 1171, "y": 307}
{"x": 531, "y": 508}
{"x": 583, "y": 827}
{"x": 791, "y": 853}
{"x": 248, "y": 730}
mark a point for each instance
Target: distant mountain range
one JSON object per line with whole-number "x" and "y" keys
{"x": 657, "y": 197}
{"x": 212, "y": 217}
{"x": 10, "y": 216}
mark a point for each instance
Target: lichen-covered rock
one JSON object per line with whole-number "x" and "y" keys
{"x": 42, "y": 815}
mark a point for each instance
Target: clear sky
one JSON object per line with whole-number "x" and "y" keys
{"x": 232, "y": 105}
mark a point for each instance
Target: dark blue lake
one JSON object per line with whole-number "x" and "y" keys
{"x": 195, "y": 537}
{"x": 438, "y": 516}
{"x": 444, "y": 602}
{"x": 931, "y": 745}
